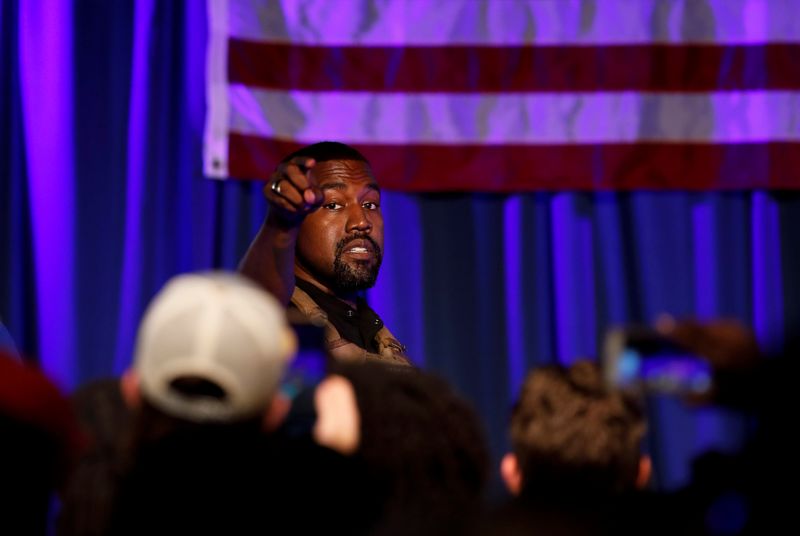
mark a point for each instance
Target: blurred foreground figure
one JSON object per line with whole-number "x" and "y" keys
{"x": 420, "y": 448}
{"x": 576, "y": 454}
{"x": 210, "y": 354}
{"x": 40, "y": 444}
{"x": 573, "y": 437}
{"x": 744, "y": 492}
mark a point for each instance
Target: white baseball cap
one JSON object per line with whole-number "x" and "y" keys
{"x": 219, "y": 329}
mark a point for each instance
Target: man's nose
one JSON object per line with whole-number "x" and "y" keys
{"x": 358, "y": 220}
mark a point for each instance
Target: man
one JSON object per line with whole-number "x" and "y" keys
{"x": 571, "y": 434}
{"x": 430, "y": 481}
{"x": 576, "y": 464}
{"x": 321, "y": 246}
{"x": 742, "y": 491}
{"x": 186, "y": 440}
{"x": 210, "y": 355}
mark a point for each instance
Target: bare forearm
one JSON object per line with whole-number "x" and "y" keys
{"x": 270, "y": 259}
{"x": 292, "y": 194}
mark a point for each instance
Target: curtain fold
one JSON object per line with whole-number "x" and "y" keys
{"x": 46, "y": 63}
{"x": 17, "y": 281}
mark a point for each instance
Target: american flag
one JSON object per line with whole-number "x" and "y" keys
{"x": 507, "y": 95}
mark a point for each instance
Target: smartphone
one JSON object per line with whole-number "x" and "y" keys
{"x": 638, "y": 358}
{"x": 310, "y": 365}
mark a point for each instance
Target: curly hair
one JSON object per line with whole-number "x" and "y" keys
{"x": 571, "y": 433}
{"x": 423, "y": 446}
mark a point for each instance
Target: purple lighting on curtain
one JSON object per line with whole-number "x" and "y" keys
{"x": 767, "y": 273}
{"x": 398, "y": 294}
{"x": 708, "y": 424}
{"x": 45, "y": 42}
{"x": 130, "y": 302}
{"x": 613, "y": 261}
{"x": 574, "y": 287}
{"x": 563, "y": 293}
{"x": 705, "y": 252}
{"x": 512, "y": 231}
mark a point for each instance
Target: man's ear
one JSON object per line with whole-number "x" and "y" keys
{"x": 129, "y": 387}
{"x": 645, "y": 471}
{"x": 509, "y": 471}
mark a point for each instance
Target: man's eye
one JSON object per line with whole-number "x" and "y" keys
{"x": 371, "y": 205}
{"x": 332, "y": 206}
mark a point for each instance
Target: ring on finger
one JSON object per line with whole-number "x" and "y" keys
{"x": 276, "y": 186}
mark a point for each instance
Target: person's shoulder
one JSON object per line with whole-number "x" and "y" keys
{"x": 101, "y": 409}
{"x": 101, "y": 389}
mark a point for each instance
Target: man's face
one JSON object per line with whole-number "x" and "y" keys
{"x": 340, "y": 245}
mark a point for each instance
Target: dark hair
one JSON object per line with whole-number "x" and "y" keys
{"x": 570, "y": 433}
{"x": 189, "y": 477}
{"x": 423, "y": 446}
{"x": 328, "y": 150}
{"x": 87, "y": 501}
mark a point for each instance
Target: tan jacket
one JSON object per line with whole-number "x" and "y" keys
{"x": 390, "y": 348}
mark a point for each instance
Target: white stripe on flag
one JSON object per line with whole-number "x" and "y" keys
{"x": 726, "y": 117}
{"x": 215, "y": 152}
{"x": 539, "y": 22}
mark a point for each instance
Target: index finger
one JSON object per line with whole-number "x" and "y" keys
{"x": 312, "y": 194}
{"x": 305, "y": 163}
{"x": 296, "y": 172}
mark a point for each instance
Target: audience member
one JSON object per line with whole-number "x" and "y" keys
{"x": 577, "y": 453}
{"x": 41, "y": 442}
{"x": 572, "y": 435}
{"x": 422, "y": 447}
{"x": 210, "y": 354}
{"x": 742, "y": 492}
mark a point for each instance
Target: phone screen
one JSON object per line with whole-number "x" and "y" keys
{"x": 310, "y": 364}
{"x": 641, "y": 359}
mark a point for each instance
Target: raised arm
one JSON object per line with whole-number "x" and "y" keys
{"x": 292, "y": 193}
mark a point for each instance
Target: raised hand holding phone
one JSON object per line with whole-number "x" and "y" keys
{"x": 641, "y": 359}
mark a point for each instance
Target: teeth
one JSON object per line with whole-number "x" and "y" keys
{"x": 358, "y": 250}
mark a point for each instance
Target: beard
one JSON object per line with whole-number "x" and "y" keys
{"x": 356, "y": 276}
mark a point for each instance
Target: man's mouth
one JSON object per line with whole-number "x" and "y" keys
{"x": 360, "y": 249}
{"x": 356, "y": 263}
{"x": 358, "y": 252}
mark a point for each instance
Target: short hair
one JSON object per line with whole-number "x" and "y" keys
{"x": 194, "y": 477}
{"x": 571, "y": 433}
{"x": 328, "y": 150}
{"x": 423, "y": 445}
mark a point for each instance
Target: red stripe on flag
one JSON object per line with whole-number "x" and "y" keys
{"x": 512, "y": 168}
{"x": 691, "y": 68}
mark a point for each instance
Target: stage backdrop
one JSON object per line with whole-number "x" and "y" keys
{"x": 103, "y": 198}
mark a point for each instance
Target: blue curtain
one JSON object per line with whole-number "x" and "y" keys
{"x": 102, "y": 199}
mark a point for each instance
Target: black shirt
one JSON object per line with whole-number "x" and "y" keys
{"x": 358, "y": 326}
